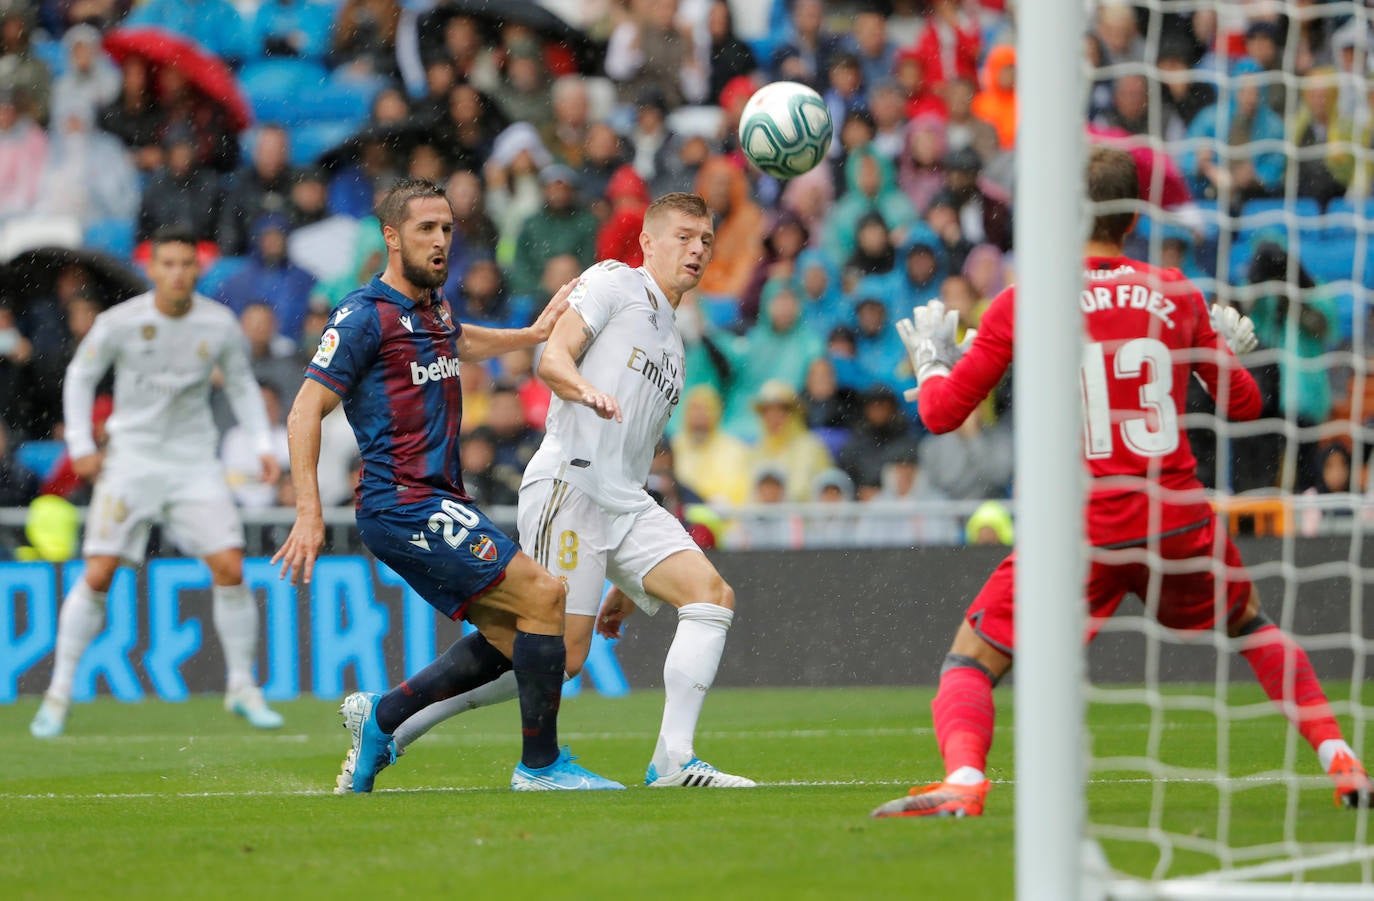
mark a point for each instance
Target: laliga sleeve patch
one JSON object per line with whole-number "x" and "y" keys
{"x": 329, "y": 343}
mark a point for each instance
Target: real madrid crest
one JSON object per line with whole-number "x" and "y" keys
{"x": 203, "y": 351}
{"x": 149, "y": 332}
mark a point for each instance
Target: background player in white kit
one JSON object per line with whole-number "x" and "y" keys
{"x": 161, "y": 465}
{"x": 615, "y": 364}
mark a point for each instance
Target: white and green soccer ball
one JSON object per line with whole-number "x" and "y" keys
{"x": 785, "y": 129}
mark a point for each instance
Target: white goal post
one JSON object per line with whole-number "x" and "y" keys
{"x": 1059, "y": 847}
{"x": 1050, "y": 805}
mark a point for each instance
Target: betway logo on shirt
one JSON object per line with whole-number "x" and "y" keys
{"x": 442, "y": 368}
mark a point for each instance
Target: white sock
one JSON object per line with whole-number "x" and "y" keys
{"x": 236, "y": 622}
{"x": 1327, "y": 751}
{"x": 81, "y": 619}
{"x": 500, "y": 689}
{"x": 688, "y": 671}
{"x": 966, "y": 775}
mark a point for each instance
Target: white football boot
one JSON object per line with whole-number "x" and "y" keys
{"x": 695, "y": 773}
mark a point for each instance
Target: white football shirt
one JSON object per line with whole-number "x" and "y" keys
{"x": 635, "y": 356}
{"x": 163, "y": 366}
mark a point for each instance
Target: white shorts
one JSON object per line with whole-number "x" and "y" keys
{"x": 571, "y": 536}
{"x": 194, "y": 506}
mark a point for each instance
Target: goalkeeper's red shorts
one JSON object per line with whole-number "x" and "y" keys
{"x": 1200, "y": 573}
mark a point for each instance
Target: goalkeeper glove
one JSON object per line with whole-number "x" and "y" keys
{"x": 1237, "y": 330}
{"x": 929, "y": 336}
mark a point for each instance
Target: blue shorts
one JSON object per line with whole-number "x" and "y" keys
{"x": 444, "y": 548}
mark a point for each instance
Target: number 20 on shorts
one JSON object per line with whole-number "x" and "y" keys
{"x": 453, "y": 521}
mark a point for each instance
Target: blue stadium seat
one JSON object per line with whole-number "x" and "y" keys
{"x": 281, "y": 76}
{"x": 220, "y": 271}
{"x": 113, "y": 236}
{"x": 318, "y": 104}
{"x": 1343, "y": 206}
{"x": 1343, "y": 218}
{"x": 1331, "y": 260}
{"x": 310, "y": 140}
{"x": 1277, "y": 215}
{"x": 280, "y": 90}
{"x": 341, "y": 96}
{"x": 362, "y": 85}
{"x": 40, "y": 457}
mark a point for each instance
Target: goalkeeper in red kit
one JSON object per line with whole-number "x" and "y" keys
{"x": 1147, "y": 331}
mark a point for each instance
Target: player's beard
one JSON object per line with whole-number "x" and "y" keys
{"x": 421, "y": 275}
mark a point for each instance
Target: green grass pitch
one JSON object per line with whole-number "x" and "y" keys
{"x": 158, "y": 800}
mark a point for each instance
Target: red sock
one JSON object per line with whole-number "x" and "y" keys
{"x": 963, "y": 718}
{"x": 1285, "y": 673}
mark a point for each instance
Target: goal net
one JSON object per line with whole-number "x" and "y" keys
{"x": 1252, "y": 121}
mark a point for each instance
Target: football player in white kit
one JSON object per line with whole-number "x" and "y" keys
{"x": 161, "y": 465}
{"x": 615, "y": 365}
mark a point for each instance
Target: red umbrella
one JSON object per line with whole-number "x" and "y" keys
{"x": 203, "y": 70}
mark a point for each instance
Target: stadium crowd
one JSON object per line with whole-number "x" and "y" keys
{"x": 551, "y": 143}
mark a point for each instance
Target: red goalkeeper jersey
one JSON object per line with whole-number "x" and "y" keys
{"x": 1146, "y": 332}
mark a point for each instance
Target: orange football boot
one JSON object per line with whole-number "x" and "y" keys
{"x": 1352, "y": 783}
{"x": 940, "y": 799}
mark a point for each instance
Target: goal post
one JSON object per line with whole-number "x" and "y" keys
{"x": 1187, "y": 837}
{"x": 1050, "y": 805}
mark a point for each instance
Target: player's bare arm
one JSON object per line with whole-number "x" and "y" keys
{"x": 298, "y": 553}
{"x": 558, "y": 367}
{"x": 92, "y": 360}
{"x": 478, "y": 343}
{"x": 88, "y": 466}
{"x": 614, "y": 609}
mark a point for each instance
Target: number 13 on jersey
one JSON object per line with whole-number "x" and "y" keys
{"x": 1151, "y": 431}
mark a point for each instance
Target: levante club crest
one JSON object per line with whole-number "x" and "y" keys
{"x": 484, "y": 549}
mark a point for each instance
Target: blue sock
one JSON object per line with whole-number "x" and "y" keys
{"x": 539, "y": 662}
{"x": 469, "y": 662}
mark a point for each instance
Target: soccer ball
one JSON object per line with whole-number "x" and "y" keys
{"x": 785, "y": 129}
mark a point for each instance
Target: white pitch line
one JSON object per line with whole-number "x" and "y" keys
{"x": 1305, "y": 782}
{"x": 449, "y": 736}
{"x": 454, "y": 737}
{"x": 174, "y": 739}
{"x": 312, "y": 792}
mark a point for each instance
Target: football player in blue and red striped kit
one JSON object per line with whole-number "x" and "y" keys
{"x": 391, "y": 355}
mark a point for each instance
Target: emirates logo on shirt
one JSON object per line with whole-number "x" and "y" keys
{"x": 664, "y": 375}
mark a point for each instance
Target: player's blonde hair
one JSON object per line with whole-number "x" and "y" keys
{"x": 678, "y": 201}
{"x": 1111, "y": 177}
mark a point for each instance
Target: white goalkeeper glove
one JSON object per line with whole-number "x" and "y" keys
{"x": 929, "y": 336}
{"x": 1237, "y": 330}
